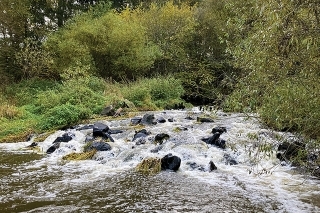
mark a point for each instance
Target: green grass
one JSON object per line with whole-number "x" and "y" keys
{"x": 37, "y": 106}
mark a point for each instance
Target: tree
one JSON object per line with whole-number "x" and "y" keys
{"x": 14, "y": 27}
{"x": 111, "y": 47}
{"x": 171, "y": 27}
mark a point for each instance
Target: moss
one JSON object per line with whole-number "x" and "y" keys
{"x": 42, "y": 137}
{"x": 80, "y": 156}
{"x": 18, "y": 137}
{"x": 149, "y": 166}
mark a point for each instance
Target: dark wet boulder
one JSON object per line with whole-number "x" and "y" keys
{"x": 140, "y": 134}
{"x": 189, "y": 118}
{"x": 156, "y": 149}
{"x": 212, "y": 166}
{"x": 205, "y": 120}
{"x": 194, "y": 166}
{"x": 170, "y": 162}
{"x": 229, "y": 160}
{"x": 66, "y": 137}
{"x": 33, "y": 144}
{"x": 99, "y": 129}
{"x": 220, "y": 143}
{"x": 114, "y": 131}
{"x": 135, "y": 120}
{"x": 108, "y": 111}
{"x": 160, "y": 137}
{"x": 99, "y": 146}
{"x": 170, "y": 119}
{"x": 219, "y": 129}
{"x": 108, "y": 137}
{"x": 89, "y": 139}
{"x": 179, "y": 106}
{"x": 289, "y": 150}
{"x": 53, "y": 148}
{"x": 102, "y": 130}
{"x": 161, "y": 120}
{"x": 148, "y": 119}
{"x": 215, "y": 140}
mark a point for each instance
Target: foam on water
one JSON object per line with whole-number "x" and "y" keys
{"x": 257, "y": 177}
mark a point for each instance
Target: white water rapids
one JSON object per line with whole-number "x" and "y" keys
{"x": 257, "y": 179}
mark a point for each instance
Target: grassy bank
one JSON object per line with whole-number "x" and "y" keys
{"x": 36, "y": 106}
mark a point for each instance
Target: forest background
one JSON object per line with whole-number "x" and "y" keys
{"x": 64, "y": 61}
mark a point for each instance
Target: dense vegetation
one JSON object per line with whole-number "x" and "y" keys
{"x": 63, "y": 61}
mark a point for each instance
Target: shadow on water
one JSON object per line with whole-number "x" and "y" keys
{"x": 38, "y": 190}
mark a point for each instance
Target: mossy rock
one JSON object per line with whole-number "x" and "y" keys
{"x": 80, "y": 156}
{"x": 43, "y": 137}
{"x": 149, "y": 166}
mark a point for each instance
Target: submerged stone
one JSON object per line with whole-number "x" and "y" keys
{"x": 53, "y": 148}
{"x": 66, "y": 137}
{"x": 135, "y": 120}
{"x": 161, "y": 120}
{"x": 204, "y": 120}
{"x": 140, "y": 134}
{"x": 219, "y": 130}
{"x": 148, "y": 119}
{"x": 99, "y": 146}
{"x": 160, "y": 137}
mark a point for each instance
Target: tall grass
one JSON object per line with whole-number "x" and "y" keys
{"x": 40, "y": 105}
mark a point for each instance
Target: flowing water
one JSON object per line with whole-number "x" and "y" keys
{"x": 32, "y": 181}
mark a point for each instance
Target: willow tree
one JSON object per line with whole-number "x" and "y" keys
{"x": 171, "y": 26}
{"x": 276, "y": 44}
{"x": 106, "y": 44}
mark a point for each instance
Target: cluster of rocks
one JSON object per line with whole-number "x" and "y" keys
{"x": 101, "y": 135}
{"x": 215, "y": 138}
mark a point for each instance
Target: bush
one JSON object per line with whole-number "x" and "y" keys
{"x": 86, "y": 92}
{"x": 293, "y": 105}
{"x": 154, "y": 93}
{"x": 63, "y": 115}
{"x": 114, "y": 46}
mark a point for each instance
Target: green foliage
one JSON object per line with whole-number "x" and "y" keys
{"x": 276, "y": 47}
{"x": 171, "y": 27}
{"x": 154, "y": 93}
{"x": 26, "y": 91}
{"x": 293, "y": 105}
{"x": 63, "y": 115}
{"x": 87, "y": 93}
{"x": 113, "y": 46}
{"x": 33, "y": 60}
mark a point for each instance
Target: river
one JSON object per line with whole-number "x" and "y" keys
{"x": 32, "y": 181}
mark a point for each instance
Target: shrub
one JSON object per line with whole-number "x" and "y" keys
{"x": 154, "y": 93}
{"x": 294, "y": 105}
{"x": 66, "y": 114}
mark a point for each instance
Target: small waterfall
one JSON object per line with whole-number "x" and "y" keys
{"x": 242, "y": 170}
